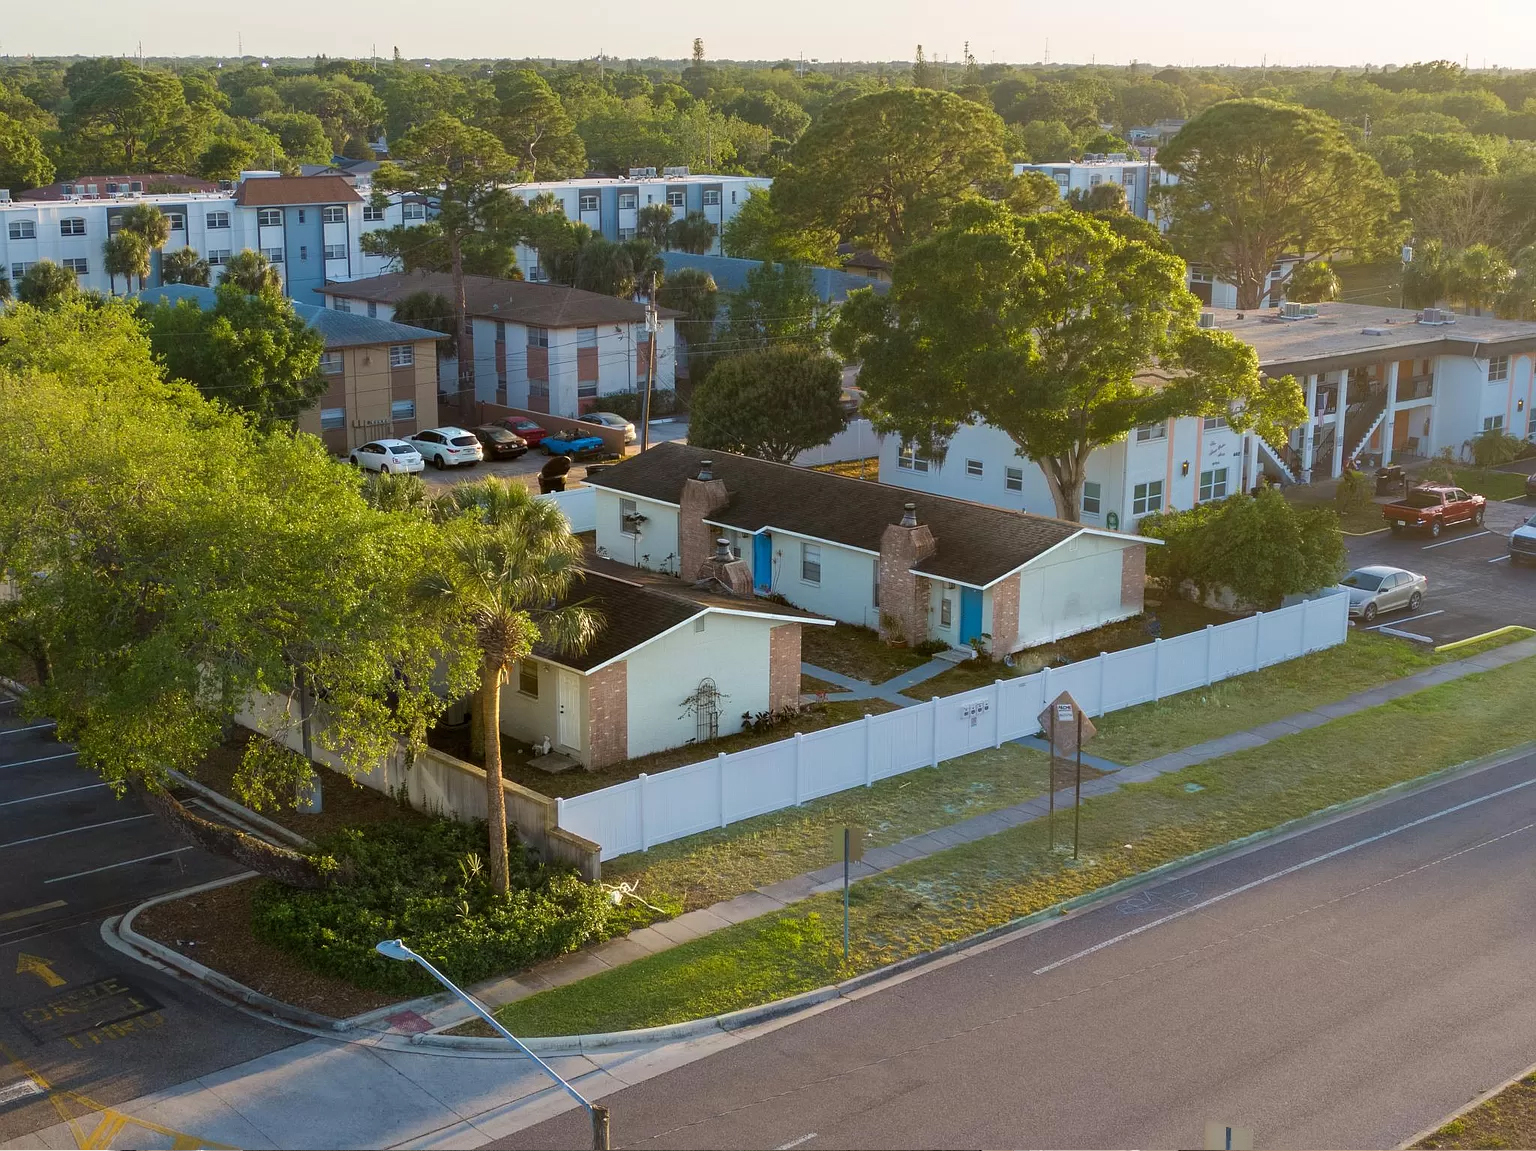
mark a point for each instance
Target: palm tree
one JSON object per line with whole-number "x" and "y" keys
{"x": 184, "y": 266}
{"x": 152, "y": 225}
{"x": 47, "y": 285}
{"x": 512, "y": 565}
{"x": 252, "y": 273}
{"x": 127, "y": 255}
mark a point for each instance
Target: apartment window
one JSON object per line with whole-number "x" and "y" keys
{"x": 810, "y": 563}
{"x": 1213, "y": 423}
{"x": 1147, "y": 498}
{"x": 1490, "y": 423}
{"x": 372, "y": 214}
{"x": 269, "y": 218}
{"x": 22, "y": 229}
{"x": 1151, "y": 432}
{"x": 538, "y": 337}
{"x": 1092, "y": 498}
{"x": 528, "y": 678}
{"x": 402, "y": 410}
{"x": 303, "y": 252}
{"x": 178, "y": 221}
{"x": 330, "y": 363}
{"x": 135, "y": 186}
{"x": 733, "y": 195}
{"x": 910, "y": 460}
{"x": 402, "y": 355}
{"x": 79, "y": 265}
{"x": 216, "y": 220}
{"x": 711, "y": 197}
{"x": 1213, "y": 484}
{"x": 586, "y": 337}
{"x": 589, "y": 201}
{"x": 217, "y": 256}
{"x": 333, "y": 214}
{"x": 946, "y": 611}
{"x": 501, "y": 331}
{"x": 586, "y": 389}
{"x": 1498, "y": 369}
{"x": 629, "y": 200}
{"x": 373, "y": 310}
{"x": 1196, "y": 276}
{"x": 19, "y": 269}
{"x": 627, "y": 513}
{"x": 626, "y": 233}
{"x": 1013, "y": 479}
{"x": 72, "y": 226}
{"x": 677, "y": 197}
{"x": 335, "y": 251}
{"x": 974, "y": 469}
{"x": 342, "y": 305}
{"x": 114, "y": 223}
{"x": 301, "y": 215}
{"x": 538, "y": 388}
{"x": 273, "y": 255}
{"x": 111, "y": 189}
{"x": 413, "y": 211}
{"x": 332, "y": 419}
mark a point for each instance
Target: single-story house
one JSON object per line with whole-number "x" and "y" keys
{"x": 664, "y": 670}
{"x": 919, "y": 567}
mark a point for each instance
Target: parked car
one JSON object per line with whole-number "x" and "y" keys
{"x": 387, "y": 456}
{"x": 499, "y": 443}
{"x": 569, "y": 445}
{"x": 448, "y": 447}
{"x": 521, "y": 426}
{"x": 1522, "y": 542}
{"x": 1433, "y": 507}
{"x": 1379, "y": 588}
{"x": 1530, "y": 486}
{"x": 611, "y": 420}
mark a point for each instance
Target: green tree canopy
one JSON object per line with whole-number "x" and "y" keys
{"x": 776, "y": 305}
{"x": 427, "y": 309}
{"x": 184, "y": 266}
{"x": 652, "y": 222}
{"x": 773, "y": 404}
{"x": 758, "y": 232}
{"x": 535, "y": 127}
{"x": 253, "y": 273}
{"x": 127, "y": 255}
{"x": 23, "y": 162}
{"x": 694, "y": 233}
{"x": 47, "y": 285}
{"x": 1313, "y": 283}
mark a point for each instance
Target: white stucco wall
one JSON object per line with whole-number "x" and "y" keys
{"x": 1070, "y": 589}
{"x": 657, "y": 537}
{"x": 731, "y": 650}
{"x": 847, "y": 588}
{"x": 1460, "y": 387}
{"x": 528, "y": 719}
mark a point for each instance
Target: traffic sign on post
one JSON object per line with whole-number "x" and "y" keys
{"x": 1067, "y": 728}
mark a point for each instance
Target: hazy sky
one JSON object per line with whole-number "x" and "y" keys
{"x": 1495, "y": 32}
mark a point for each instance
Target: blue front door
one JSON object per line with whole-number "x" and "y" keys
{"x": 970, "y": 614}
{"x": 762, "y": 562}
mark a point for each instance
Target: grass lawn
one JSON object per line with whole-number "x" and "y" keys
{"x": 1177, "y": 616}
{"x": 856, "y": 651}
{"x": 1506, "y": 1120}
{"x": 1496, "y": 485}
{"x": 810, "y": 684}
{"x": 866, "y": 469}
{"x": 1357, "y": 521}
{"x": 956, "y": 893}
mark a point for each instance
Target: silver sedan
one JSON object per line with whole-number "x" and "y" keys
{"x": 1378, "y": 588}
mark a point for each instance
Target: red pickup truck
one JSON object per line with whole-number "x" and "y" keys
{"x": 1432, "y": 507}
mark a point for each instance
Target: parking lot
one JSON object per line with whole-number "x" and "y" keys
{"x": 1473, "y": 587}
{"x": 525, "y": 469}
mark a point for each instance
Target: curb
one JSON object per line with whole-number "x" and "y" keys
{"x": 10, "y": 685}
{"x": 1472, "y": 1106}
{"x": 735, "y": 1020}
{"x": 240, "y": 811}
{"x": 1511, "y": 629}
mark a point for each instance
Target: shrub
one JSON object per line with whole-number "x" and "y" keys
{"x": 1495, "y": 447}
{"x": 628, "y": 404}
{"x": 425, "y": 883}
{"x": 1354, "y": 492}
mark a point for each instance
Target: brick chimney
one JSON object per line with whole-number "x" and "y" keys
{"x": 722, "y": 571}
{"x": 904, "y": 595}
{"x": 702, "y": 497}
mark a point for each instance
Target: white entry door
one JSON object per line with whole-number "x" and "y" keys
{"x": 569, "y": 699}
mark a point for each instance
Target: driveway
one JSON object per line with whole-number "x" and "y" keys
{"x": 1473, "y": 588}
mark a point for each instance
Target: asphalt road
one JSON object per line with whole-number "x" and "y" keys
{"x": 74, "y": 1013}
{"x": 1342, "y": 988}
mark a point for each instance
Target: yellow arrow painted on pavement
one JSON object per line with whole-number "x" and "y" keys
{"x": 38, "y": 966}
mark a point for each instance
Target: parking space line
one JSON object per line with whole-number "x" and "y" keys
{"x": 124, "y": 863}
{"x": 52, "y": 794}
{"x": 34, "y": 727}
{"x": 1499, "y": 559}
{"x": 1410, "y": 619}
{"x": 1459, "y": 540}
{"x": 33, "y": 910}
{"x": 39, "y": 759}
{"x": 72, "y": 830}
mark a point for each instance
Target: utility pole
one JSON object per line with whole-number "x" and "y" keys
{"x": 652, "y": 326}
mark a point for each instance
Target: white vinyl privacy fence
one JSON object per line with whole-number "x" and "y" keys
{"x": 653, "y": 809}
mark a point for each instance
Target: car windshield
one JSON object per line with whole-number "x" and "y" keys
{"x": 462, "y": 441}
{"x": 500, "y": 435}
{"x": 402, "y": 450}
{"x": 1531, "y": 523}
{"x": 1423, "y": 500}
{"x": 1365, "y": 581}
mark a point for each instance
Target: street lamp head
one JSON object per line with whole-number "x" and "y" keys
{"x": 394, "y": 949}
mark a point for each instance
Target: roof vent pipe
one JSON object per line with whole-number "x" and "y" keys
{"x": 909, "y": 516}
{"x": 723, "y": 552}
{"x": 705, "y": 469}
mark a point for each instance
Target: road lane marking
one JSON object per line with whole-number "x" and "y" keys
{"x": 83, "y": 827}
{"x": 796, "y": 1142}
{"x": 1410, "y": 619}
{"x": 52, "y": 794}
{"x": 19, "y": 730}
{"x": 1458, "y": 540}
{"x": 1282, "y": 873}
{"x": 124, "y": 863}
{"x": 1499, "y": 559}
{"x": 40, "y": 967}
{"x": 39, "y": 759}
{"x": 32, "y": 910}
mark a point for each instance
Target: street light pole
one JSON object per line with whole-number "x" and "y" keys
{"x": 396, "y": 949}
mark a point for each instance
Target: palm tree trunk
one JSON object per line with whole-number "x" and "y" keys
{"x": 477, "y": 729}
{"x": 495, "y": 800}
{"x": 463, "y": 334}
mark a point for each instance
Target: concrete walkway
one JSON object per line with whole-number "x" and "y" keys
{"x": 776, "y": 896}
{"x": 890, "y": 690}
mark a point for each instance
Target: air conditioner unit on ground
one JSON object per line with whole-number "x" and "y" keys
{"x": 1207, "y": 319}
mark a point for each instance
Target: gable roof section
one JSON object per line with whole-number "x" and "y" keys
{"x": 977, "y": 543}
{"x": 339, "y": 329}
{"x": 283, "y": 191}
{"x": 515, "y": 301}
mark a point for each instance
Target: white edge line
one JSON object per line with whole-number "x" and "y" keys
{"x": 34, "y": 727}
{"x": 1295, "y": 867}
{"x": 796, "y": 1142}
{"x": 82, "y": 827}
{"x": 40, "y": 759}
{"x": 1458, "y": 540}
{"x": 52, "y": 794}
{"x": 1500, "y": 559}
{"x": 124, "y": 863}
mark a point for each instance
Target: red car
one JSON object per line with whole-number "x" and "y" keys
{"x": 531, "y": 433}
{"x": 1432, "y": 507}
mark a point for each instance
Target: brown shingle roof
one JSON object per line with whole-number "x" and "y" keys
{"x": 281, "y": 191}
{"x": 977, "y": 543}
{"x": 515, "y": 301}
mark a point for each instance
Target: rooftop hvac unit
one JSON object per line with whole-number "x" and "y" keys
{"x": 1207, "y": 319}
{"x": 642, "y": 173}
{"x": 1290, "y": 311}
{"x": 5, "y": 195}
{"x": 679, "y": 171}
{"x": 1437, "y": 316}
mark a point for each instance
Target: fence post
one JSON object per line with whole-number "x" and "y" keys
{"x": 1157, "y": 667}
{"x": 799, "y": 768}
{"x": 720, "y": 770}
{"x": 1045, "y": 686}
{"x": 1258, "y": 635}
{"x": 645, "y": 843}
{"x": 559, "y": 811}
{"x": 869, "y": 750}
{"x": 934, "y": 704}
{"x": 1210, "y": 646}
{"x": 997, "y": 713}
{"x": 1103, "y": 668}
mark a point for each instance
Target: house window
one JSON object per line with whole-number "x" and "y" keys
{"x": 333, "y": 214}
{"x": 269, "y": 218}
{"x": 586, "y": 337}
{"x": 303, "y": 251}
{"x": 301, "y": 215}
{"x": 413, "y": 211}
{"x": 974, "y": 468}
{"x": 1213, "y": 423}
{"x": 330, "y": 363}
{"x": 273, "y": 255}
{"x": 335, "y": 251}
{"x": 1490, "y": 423}
{"x": 216, "y": 220}
{"x": 733, "y": 195}
{"x": 373, "y": 310}
{"x": 538, "y": 337}
{"x": 528, "y": 678}
{"x": 217, "y": 256}
{"x": 946, "y": 611}
{"x": 332, "y": 418}
{"x": 372, "y": 214}
{"x": 80, "y": 266}
{"x": 910, "y": 460}
{"x": 72, "y": 226}
{"x": 1092, "y": 497}
{"x": 711, "y": 197}
{"x": 676, "y": 197}
{"x": 1213, "y": 484}
{"x": 22, "y": 229}
{"x": 1147, "y": 498}
{"x": 627, "y": 518}
{"x": 402, "y": 409}
{"x": 589, "y": 201}
{"x": 1013, "y": 479}
{"x": 1498, "y": 369}
{"x": 178, "y": 221}
{"x": 810, "y": 563}
{"x": 629, "y": 200}
{"x": 1151, "y": 432}
{"x": 402, "y": 355}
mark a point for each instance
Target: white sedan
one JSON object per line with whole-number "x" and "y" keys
{"x": 448, "y": 447}
{"x": 388, "y": 456}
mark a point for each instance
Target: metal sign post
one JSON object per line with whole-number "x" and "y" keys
{"x": 1069, "y": 728}
{"x": 849, "y": 842}
{"x": 1077, "y": 791}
